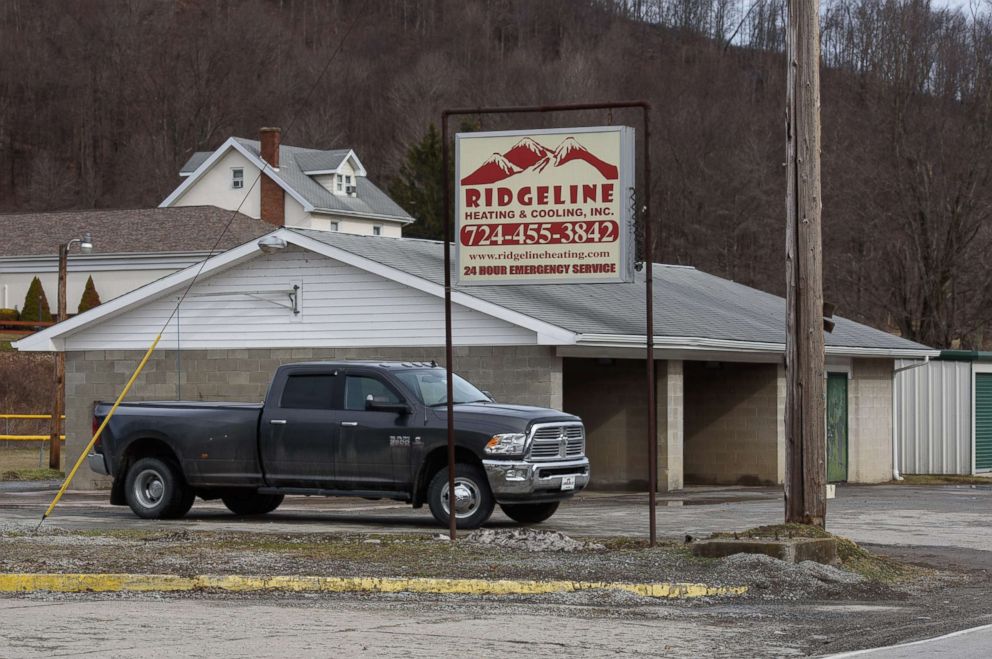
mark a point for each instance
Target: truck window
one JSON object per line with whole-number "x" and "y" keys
{"x": 358, "y": 387}
{"x": 308, "y": 391}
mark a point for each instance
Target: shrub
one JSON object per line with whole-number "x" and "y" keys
{"x": 90, "y": 297}
{"x": 36, "y": 303}
{"x": 9, "y": 314}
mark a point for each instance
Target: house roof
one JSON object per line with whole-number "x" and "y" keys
{"x": 693, "y": 310}
{"x": 139, "y": 230}
{"x": 295, "y": 161}
{"x": 688, "y": 303}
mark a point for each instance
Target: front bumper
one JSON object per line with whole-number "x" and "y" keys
{"x": 96, "y": 463}
{"x": 535, "y": 481}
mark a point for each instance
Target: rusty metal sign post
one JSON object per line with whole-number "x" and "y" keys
{"x": 649, "y": 245}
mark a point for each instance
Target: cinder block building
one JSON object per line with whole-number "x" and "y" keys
{"x": 579, "y": 347}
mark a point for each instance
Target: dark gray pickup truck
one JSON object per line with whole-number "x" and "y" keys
{"x": 367, "y": 429}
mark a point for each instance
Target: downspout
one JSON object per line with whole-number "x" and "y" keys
{"x": 895, "y": 417}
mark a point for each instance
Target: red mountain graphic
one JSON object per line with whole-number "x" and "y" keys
{"x": 496, "y": 168}
{"x": 529, "y": 155}
{"x": 525, "y": 153}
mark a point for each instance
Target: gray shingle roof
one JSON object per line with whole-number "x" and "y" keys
{"x": 142, "y": 230}
{"x": 194, "y": 162}
{"x": 319, "y": 161}
{"x": 293, "y": 161}
{"x": 687, "y": 302}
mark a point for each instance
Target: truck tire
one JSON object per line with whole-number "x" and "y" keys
{"x": 474, "y": 500}
{"x": 155, "y": 489}
{"x": 529, "y": 513}
{"x": 252, "y": 503}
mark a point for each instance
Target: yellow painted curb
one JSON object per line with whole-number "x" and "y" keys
{"x": 98, "y": 583}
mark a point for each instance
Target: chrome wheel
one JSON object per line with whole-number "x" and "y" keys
{"x": 468, "y": 498}
{"x": 149, "y": 488}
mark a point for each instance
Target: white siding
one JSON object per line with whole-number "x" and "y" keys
{"x": 213, "y": 188}
{"x": 360, "y": 226}
{"x": 933, "y": 417}
{"x": 342, "y": 306}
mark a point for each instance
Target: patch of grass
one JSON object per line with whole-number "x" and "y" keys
{"x": 871, "y": 566}
{"x": 941, "y": 479}
{"x": 21, "y": 463}
{"x": 6, "y": 338}
{"x": 43, "y": 474}
{"x": 777, "y": 532}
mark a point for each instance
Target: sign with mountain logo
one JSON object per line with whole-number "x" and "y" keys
{"x": 545, "y": 206}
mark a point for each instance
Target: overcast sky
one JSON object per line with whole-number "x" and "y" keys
{"x": 962, "y": 4}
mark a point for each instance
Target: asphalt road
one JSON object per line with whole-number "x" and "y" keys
{"x": 972, "y": 643}
{"x": 348, "y": 627}
{"x": 936, "y": 516}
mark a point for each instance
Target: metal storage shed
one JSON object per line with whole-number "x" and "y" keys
{"x": 943, "y": 412}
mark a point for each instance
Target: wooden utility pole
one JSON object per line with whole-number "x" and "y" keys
{"x": 805, "y": 431}
{"x": 58, "y": 385}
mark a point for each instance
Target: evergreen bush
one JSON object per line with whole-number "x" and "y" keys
{"x": 36, "y": 303}
{"x": 8, "y": 314}
{"x": 90, "y": 297}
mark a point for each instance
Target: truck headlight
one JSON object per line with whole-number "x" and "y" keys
{"x": 506, "y": 444}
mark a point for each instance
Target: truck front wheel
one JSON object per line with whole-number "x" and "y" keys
{"x": 474, "y": 501}
{"x": 155, "y": 489}
{"x": 529, "y": 513}
{"x": 252, "y": 503}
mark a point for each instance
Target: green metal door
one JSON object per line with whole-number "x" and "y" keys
{"x": 836, "y": 427}
{"x": 983, "y": 421}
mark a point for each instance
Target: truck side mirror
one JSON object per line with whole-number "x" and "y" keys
{"x": 374, "y": 404}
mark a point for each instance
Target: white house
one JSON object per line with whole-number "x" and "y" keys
{"x": 289, "y": 186}
{"x": 579, "y": 347}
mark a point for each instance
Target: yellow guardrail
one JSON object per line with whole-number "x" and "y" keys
{"x": 27, "y": 438}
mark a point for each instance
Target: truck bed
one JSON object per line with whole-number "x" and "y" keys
{"x": 216, "y": 443}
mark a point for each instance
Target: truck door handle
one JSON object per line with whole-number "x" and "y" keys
{"x": 277, "y": 422}
{"x": 350, "y": 424}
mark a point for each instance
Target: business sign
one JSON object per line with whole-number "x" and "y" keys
{"x": 544, "y": 206}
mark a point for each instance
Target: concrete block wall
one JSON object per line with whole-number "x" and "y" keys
{"x": 870, "y": 421}
{"x": 515, "y": 374}
{"x": 734, "y": 430}
{"x": 610, "y": 397}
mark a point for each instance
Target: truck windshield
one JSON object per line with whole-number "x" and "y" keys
{"x": 431, "y": 387}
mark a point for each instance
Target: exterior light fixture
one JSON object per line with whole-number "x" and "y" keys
{"x": 271, "y": 244}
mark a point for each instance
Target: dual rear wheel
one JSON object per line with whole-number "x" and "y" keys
{"x": 154, "y": 488}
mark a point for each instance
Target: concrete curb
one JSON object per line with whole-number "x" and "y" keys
{"x": 101, "y": 583}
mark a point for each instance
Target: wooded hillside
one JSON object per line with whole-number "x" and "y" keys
{"x": 102, "y": 102}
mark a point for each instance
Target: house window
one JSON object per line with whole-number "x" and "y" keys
{"x": 334, "y": 226}
{"x": 377, "y": 230}
{"x": 340, "y": 183}
{"x": 347, "y": 180}
{"x": 237, "y": 178}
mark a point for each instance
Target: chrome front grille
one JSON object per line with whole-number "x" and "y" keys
{"x": 556, "y": 441}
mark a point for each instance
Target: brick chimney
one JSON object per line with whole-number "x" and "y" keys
{"x": 273, "y": 208}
